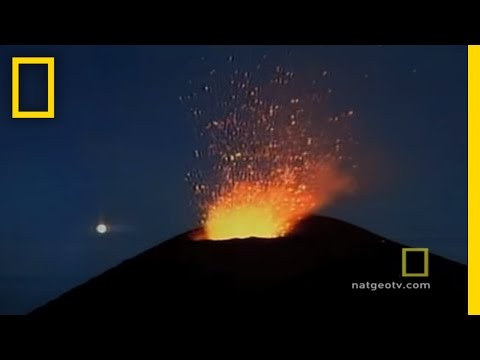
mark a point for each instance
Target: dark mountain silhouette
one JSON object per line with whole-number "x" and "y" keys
{"x": 308, "y": 273}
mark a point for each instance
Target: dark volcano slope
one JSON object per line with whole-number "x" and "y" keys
{"x": 308, "y": 273}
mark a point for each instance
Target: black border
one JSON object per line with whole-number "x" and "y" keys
{"x": 242, "y": 23}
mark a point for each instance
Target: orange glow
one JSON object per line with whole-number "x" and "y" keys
{"x": 270, "y": 208}
{"x": 253, "y": 210}
{"x": 256, "y": 219}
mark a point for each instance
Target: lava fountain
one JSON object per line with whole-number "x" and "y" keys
{"x": 269, "y": 154}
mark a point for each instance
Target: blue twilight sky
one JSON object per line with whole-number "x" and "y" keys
{"x": 121, "y": 143}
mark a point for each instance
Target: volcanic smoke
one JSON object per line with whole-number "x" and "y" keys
{"x": 270, "y": 155}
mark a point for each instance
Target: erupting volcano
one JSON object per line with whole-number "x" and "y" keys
{"x": 272, "y": 150}
{"x": 269, "y": 153}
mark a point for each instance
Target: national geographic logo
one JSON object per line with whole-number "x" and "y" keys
{"x": 415, "y": 262}
{"x": 49, "y": 113}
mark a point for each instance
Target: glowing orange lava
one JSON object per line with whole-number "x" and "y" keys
{"x": 263, "y": 210}
{"x": 260, "y": 218}
{"x": 270, "y": 208}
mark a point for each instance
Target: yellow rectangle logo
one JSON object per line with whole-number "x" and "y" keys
{"x": 49, "y": 113}
{"x": 405, "y": 252}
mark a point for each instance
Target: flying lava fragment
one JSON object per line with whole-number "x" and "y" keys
{"x": 269, "y": 154}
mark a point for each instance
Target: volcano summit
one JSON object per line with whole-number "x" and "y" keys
{"x": 310, "y": 272}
